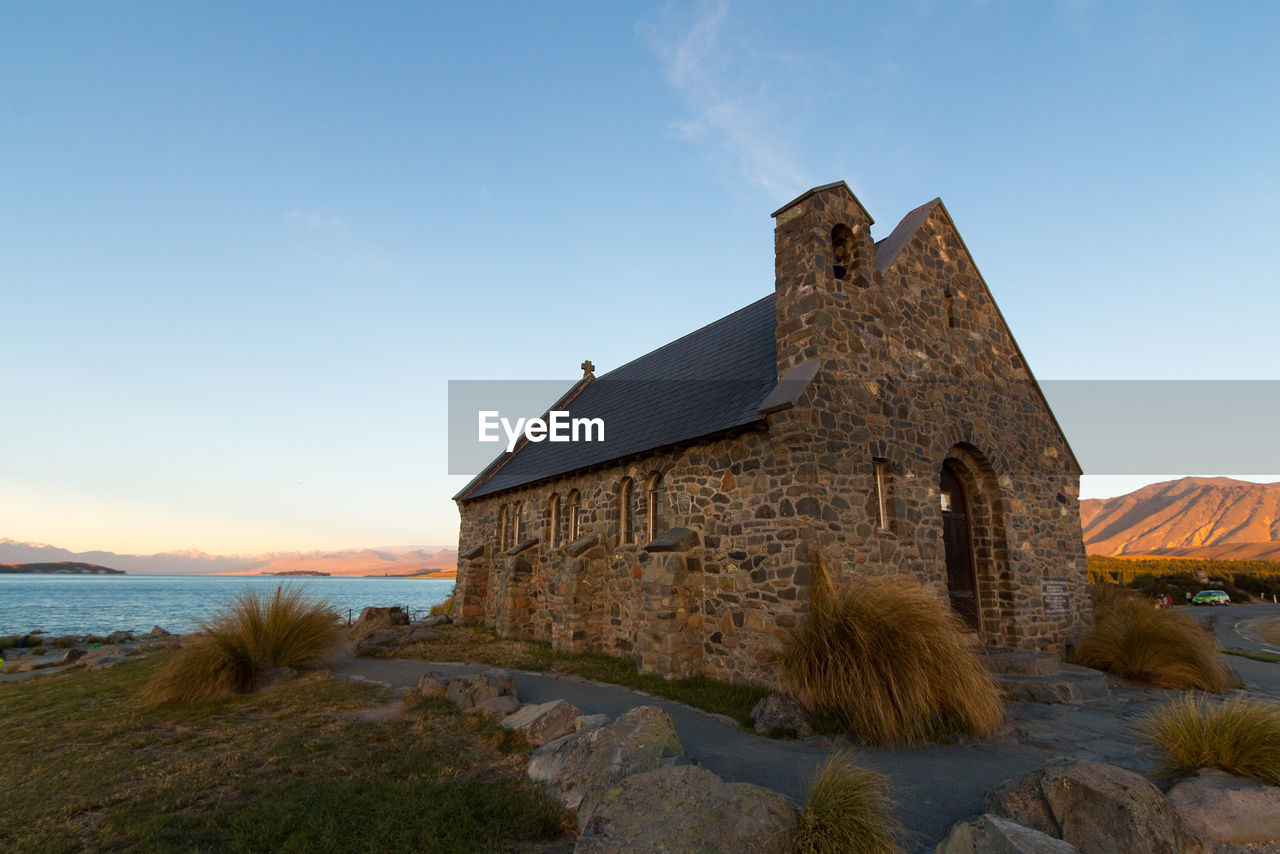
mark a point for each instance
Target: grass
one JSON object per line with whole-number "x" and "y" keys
{"x": 469, "y": 643}
{"x": 1238, "y": 735}
{"x": 299, "y": 768}
{"x": 848, "y": 809}
{"x": 1271, "y": 657}
{"x": 256, "y": 633}
{"x": 443, "y": 608}
{"x": 1270, "y": 631}
{"x": 1159, "y": 646}
{"x": 882, "y": 658}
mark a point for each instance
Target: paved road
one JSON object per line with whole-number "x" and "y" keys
{"x": 1236, "y": 626}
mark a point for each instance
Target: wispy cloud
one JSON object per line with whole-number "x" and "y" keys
{"x": 734, "y": 109}
{"x": 325, "y": 237}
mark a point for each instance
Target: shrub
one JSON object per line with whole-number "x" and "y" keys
{"x": 847, "y": 809}
{"x": 884, "y": 659}
{"x": 1238, "y": 735}
{"x": 1262, "y": 587}
{"x": 234, "y": 649}
{"x": 1159, "y": 646}
{"x": 445, "y": 607}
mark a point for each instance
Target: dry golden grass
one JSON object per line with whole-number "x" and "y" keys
{"x": 1238, "y": 735}
{"x": 445, "y": 607}
{"x": 1159, "y": 646}
{"x": 256, "y": 633}
{"x": 1270, "y": 631}
{"x": 885, "y": 660}
{"x": 848, "y": 810}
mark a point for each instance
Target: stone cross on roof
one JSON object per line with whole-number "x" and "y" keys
{"x": 587, "y": 368}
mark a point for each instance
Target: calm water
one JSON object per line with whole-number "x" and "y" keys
{"x": 88, "y": 604}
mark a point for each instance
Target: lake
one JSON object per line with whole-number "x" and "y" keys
{"x": 97, "y": 604}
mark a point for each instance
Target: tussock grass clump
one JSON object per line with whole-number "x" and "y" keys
{"x": 885, "y": 660}
{"x": 256, "y": 633}
{"x": 1238, "y": 735}
{"x": 445, "y": 607}
{"x": 1159, "y": 646}
{"x": 848, "y": 809}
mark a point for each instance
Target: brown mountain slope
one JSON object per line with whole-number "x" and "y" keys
{"x": 1202, "y": 517}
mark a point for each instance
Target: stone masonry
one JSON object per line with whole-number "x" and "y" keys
{"x": 892, "y": 360}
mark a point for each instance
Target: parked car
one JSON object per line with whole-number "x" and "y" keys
{"x": 1211, "y": 597}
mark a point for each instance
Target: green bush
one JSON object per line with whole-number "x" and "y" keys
{"x": 234, "y": 649}
{"x": 1239, "y": 736}
{"x": 886, "y": 660}
{"x": 848, "y": 810}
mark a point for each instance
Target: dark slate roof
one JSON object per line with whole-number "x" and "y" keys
{"x": 708, "y": 382}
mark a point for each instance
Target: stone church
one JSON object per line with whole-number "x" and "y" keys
{"x": 874, "y": 408}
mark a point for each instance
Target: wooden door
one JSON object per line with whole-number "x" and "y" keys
{"x": 962, "y": 587}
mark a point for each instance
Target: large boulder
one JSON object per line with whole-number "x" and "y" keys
{"x": 588, "y": 763}
{"x": 1100, "y": 809}
{"x": 1227, "y": 809}
{"x": 545, "y": 721}
{"x": 685, "y": 808}
{"x": 468, "y": 691}
{"x": 991, "y": 834}
{"x": 496, "y": 708}
{"x": 778, "y": 713}
{"x": 374, "y": 619}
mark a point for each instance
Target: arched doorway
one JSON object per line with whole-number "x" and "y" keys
{"x": 962, "y": 584}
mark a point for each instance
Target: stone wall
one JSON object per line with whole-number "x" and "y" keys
{"x": 916, "y": 367}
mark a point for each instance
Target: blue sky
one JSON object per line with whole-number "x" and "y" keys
{"x": 243, "y": 247}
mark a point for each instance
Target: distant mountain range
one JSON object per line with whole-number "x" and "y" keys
{"x": 390, "y": 560}
{"x": 1198, "y": 517}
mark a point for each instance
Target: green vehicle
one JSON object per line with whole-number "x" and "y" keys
{"x": 1211, "y": 597}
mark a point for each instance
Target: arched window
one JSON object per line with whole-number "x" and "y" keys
{"x": 653, "y": 506}
{"x": 841, "y": 250}
{"x": 517, "y": 524}
{"x": 502, "y": 528}
{"x": 575, "y": 515}
{"x": 626, "y": 517}
{"x": 553, "y": 521}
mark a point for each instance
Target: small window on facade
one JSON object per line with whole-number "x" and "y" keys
{"x": 883, "y": 520}
{"x": 502, "y": 528}
{"x": 553, "y": 520}
{"x": 841, "y": 250}
{"x": 653, "y": 506}
{"x": 517, "y": 524}
{"x": 626, "y": 516}
{"x": 575, "y": 515}
{"x": 949, "y": 299}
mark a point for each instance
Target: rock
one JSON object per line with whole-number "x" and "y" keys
{"x": 1227, "y": 809}
{"x": 685, "y": 808}
{"x": 780, "y": 713}
{"x": 431, "y": 688}
{"x": 157, "y": 645}
{"x": 157, "y": 632}
{"x": 545, "y": 721}
{"x": 991, "y": 834}
{"x": 589, "y": 722}
{"x": 391, "y": 639}
{"x": 374, "y": 619}
{"x": 495, "y": 708}
{"x": 276, "y": 676}
{"x": 104, "y": 657}
{"x": 1098, "y": 808}
{"x": 437, "y": 620}
{"x": 467, "y": 691}
{"x": 588, "y": 763}
{"x": 119, "y": 637}
{"x": 71, "y": 656}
